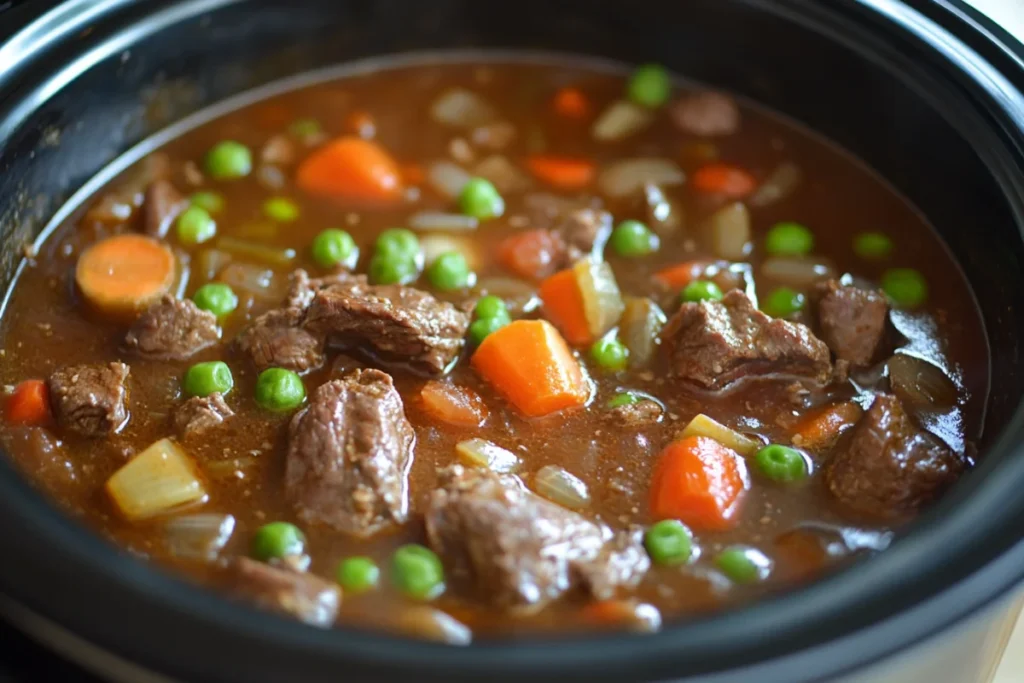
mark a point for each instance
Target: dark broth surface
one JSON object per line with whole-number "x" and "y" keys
{"x": 46, "y": 326}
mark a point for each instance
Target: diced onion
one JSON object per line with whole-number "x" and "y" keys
{"x": 639, "y": 326}
{"x": 270, "y": 177}
{"x": 560, "y": 486}
{"x": 798, "y": 272}
{"x": 433, "y": 246}
{"x": 159, "y": 480}
{"x": 210, "y": 262}
{"x": 258, "y": 252}
{"x": 252, "y": 279}
{"x": 602, "y": 301}
{"x": 421, "y": 621}
{"x": 447, "y": 178}
{"x": 486, "y": 454}
{"x": 729, "y": 229}
{"x": 520, "y": 297}
{"x": 182, "y": 273}
{"x": 199, "y": 537}
{"x": 461, "y": 108}
{"x": 436, "y": 220}
{"x": 629, "y": 176}
{"x": 620, "y": 120}
{"x": 702, "y": 425}
{"x": 921, "y": 385}
{"x": 664, "y": 215}
{"x": 503, "y": 173}
{"x": 779, "y": 184}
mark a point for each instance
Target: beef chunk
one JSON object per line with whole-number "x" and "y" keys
{"x": 714, "y": 343}
{"x": 90, "y": 399}
{"x": 521, "y": 550}
{"x": 852, "y": 320}
{"x": 173, "y": 329}
{"x": 162, "y": 205}
{"x": 201, "y": 413}
{"x": 275, "y": 339}
{"x": 643, "y": 413}
{"x": 349, "y": 454}
{"x": 582, "y": 233}
{"x": 396, "y": 323}
{"x": 306, "y": 597}
{"x": 886, "y": 466}
{"x": 706, "y": 114}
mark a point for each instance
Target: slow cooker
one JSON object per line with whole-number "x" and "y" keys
{"x": 926, "y": 92}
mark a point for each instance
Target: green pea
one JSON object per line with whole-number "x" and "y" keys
{"x": 398, "y": 242}
{"x": 417, "y": 572}
{"x": 490, "y": 306}
{"x": 633, "y": 238}
{"x": 449, "y": 271}
{"x": 789, "y": 239}
{"x": 357, "y": 575}
{"x": 701, "y": 290}
{"x": 203, "y": 379}
{"x": 669, "y": 542}
{"x": 781, "y": 463}
{"x": 195, "y": 226}
{"x": 228, "y": 160}
{"x": 481, "y": 200}
{"x": 905, "y": 286}
{"x": 610, "y": 354}
{"x": 783, "y": 302}
{"x": 479, "y": 329}
{"x": 872, "y": 246}
{"x": 650, "y": 86}
{"x": 281, "y": 209}
{"x": 333, "y": 247}
{"x": 217, "y": 298}
{"x": 277, "y": 540}
{"x": 305, "y": 128}
{"x": 391, "y": 269}
{"x": 279, "y": 390}
{"x": 743, "y": 565}
{"x": 626, "y": 398}
{"x": 210, "y": 201}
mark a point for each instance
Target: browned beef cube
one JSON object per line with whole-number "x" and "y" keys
{"x": 715, "y": 343}
{"x": 852, "y": 320}
{"x": 582, "y": 233}
{"x": 200, "y": 413}
{"x": 886, "y": 466}
{"x": 173, "y": 329}
{"x": 521, "y": 550}
{"x": 306, "y": 597}
{"x": 349, "y": 454}
{"x": 276, "y": 339}
{"x": 90, "y": 399}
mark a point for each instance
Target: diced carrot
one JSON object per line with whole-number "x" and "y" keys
{"x": 565, "y": 173}
{"x": 452, "y": 404}
{"x": 352, "y": 168}
{"x": 29, "y": 403}
{"x": 529, "y": 363}
{"x": 572, "y": 103}
{"x": 124, "y": 274}
{"x": 413, "y": 174}
{"x": 623, "y": 614}
{"x": 530, "y": 254}
{"x": 699, "y": 482}
{"x": 563, "y": 305}
{"x": 724, "y": 179}
{"x": 677, "y": 277}
{"x": 361, "y": 123}
{"x": 821, "y": 429}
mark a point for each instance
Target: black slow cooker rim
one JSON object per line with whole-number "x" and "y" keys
{"x": 155, "y": 618}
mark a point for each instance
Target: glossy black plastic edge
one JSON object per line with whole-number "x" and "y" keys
{"x": 175, "y": 628}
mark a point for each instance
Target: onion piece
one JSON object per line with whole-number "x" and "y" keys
{"x": 559, "y": 486}
{"x": 729, "y": 229}
{"x": 639, "y": 326}
{"x": 198, "y": 537}
{"x": 629, "y": 176}
{"x": 798, "y": 272}
{"x": 447, "y": 178}
{"x": 664, "y": 215}
{"x": 159, "y": 480}
{"x": 487, "y": 455}
{"x": 520, "y": 297}
{"x": 421, "y": 621}
{"x": 210, "y": 262}
{"x": 620, "y": 120}
{"x": 505, "y": 176}
{"x": 780, "y": 183}
{"x": 432, "y": 246}
{"x": 921, "y": 385}
{"x": 702, "y": 425}
{"x": 602, "y": 300}
{"x": 437, "y": 220}
{"x": 251, "y": 279}
{"x": 258, "y": 252}
{"x": 461, "y": 108}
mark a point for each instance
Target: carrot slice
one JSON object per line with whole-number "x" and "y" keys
{"x": 529, "y": 363}
{"x": 699, "y": 482}
{"x": 724, "y": 179}
{"x": 352, "y": 168}
{"x": 821, "y": 429}
{"x": 677, "y": 277}
{"x": 563, "y": 305}
{"x": 565, "y": 173}
{"x": 453, "y": 404}
{"x": 571, "y": 103}
{"x": 530, "y": 254}
{"x": 124, "y": 274}
{"x": 29, "y": 403}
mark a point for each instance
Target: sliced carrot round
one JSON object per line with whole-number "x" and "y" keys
{"x": 124, "y": 274}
